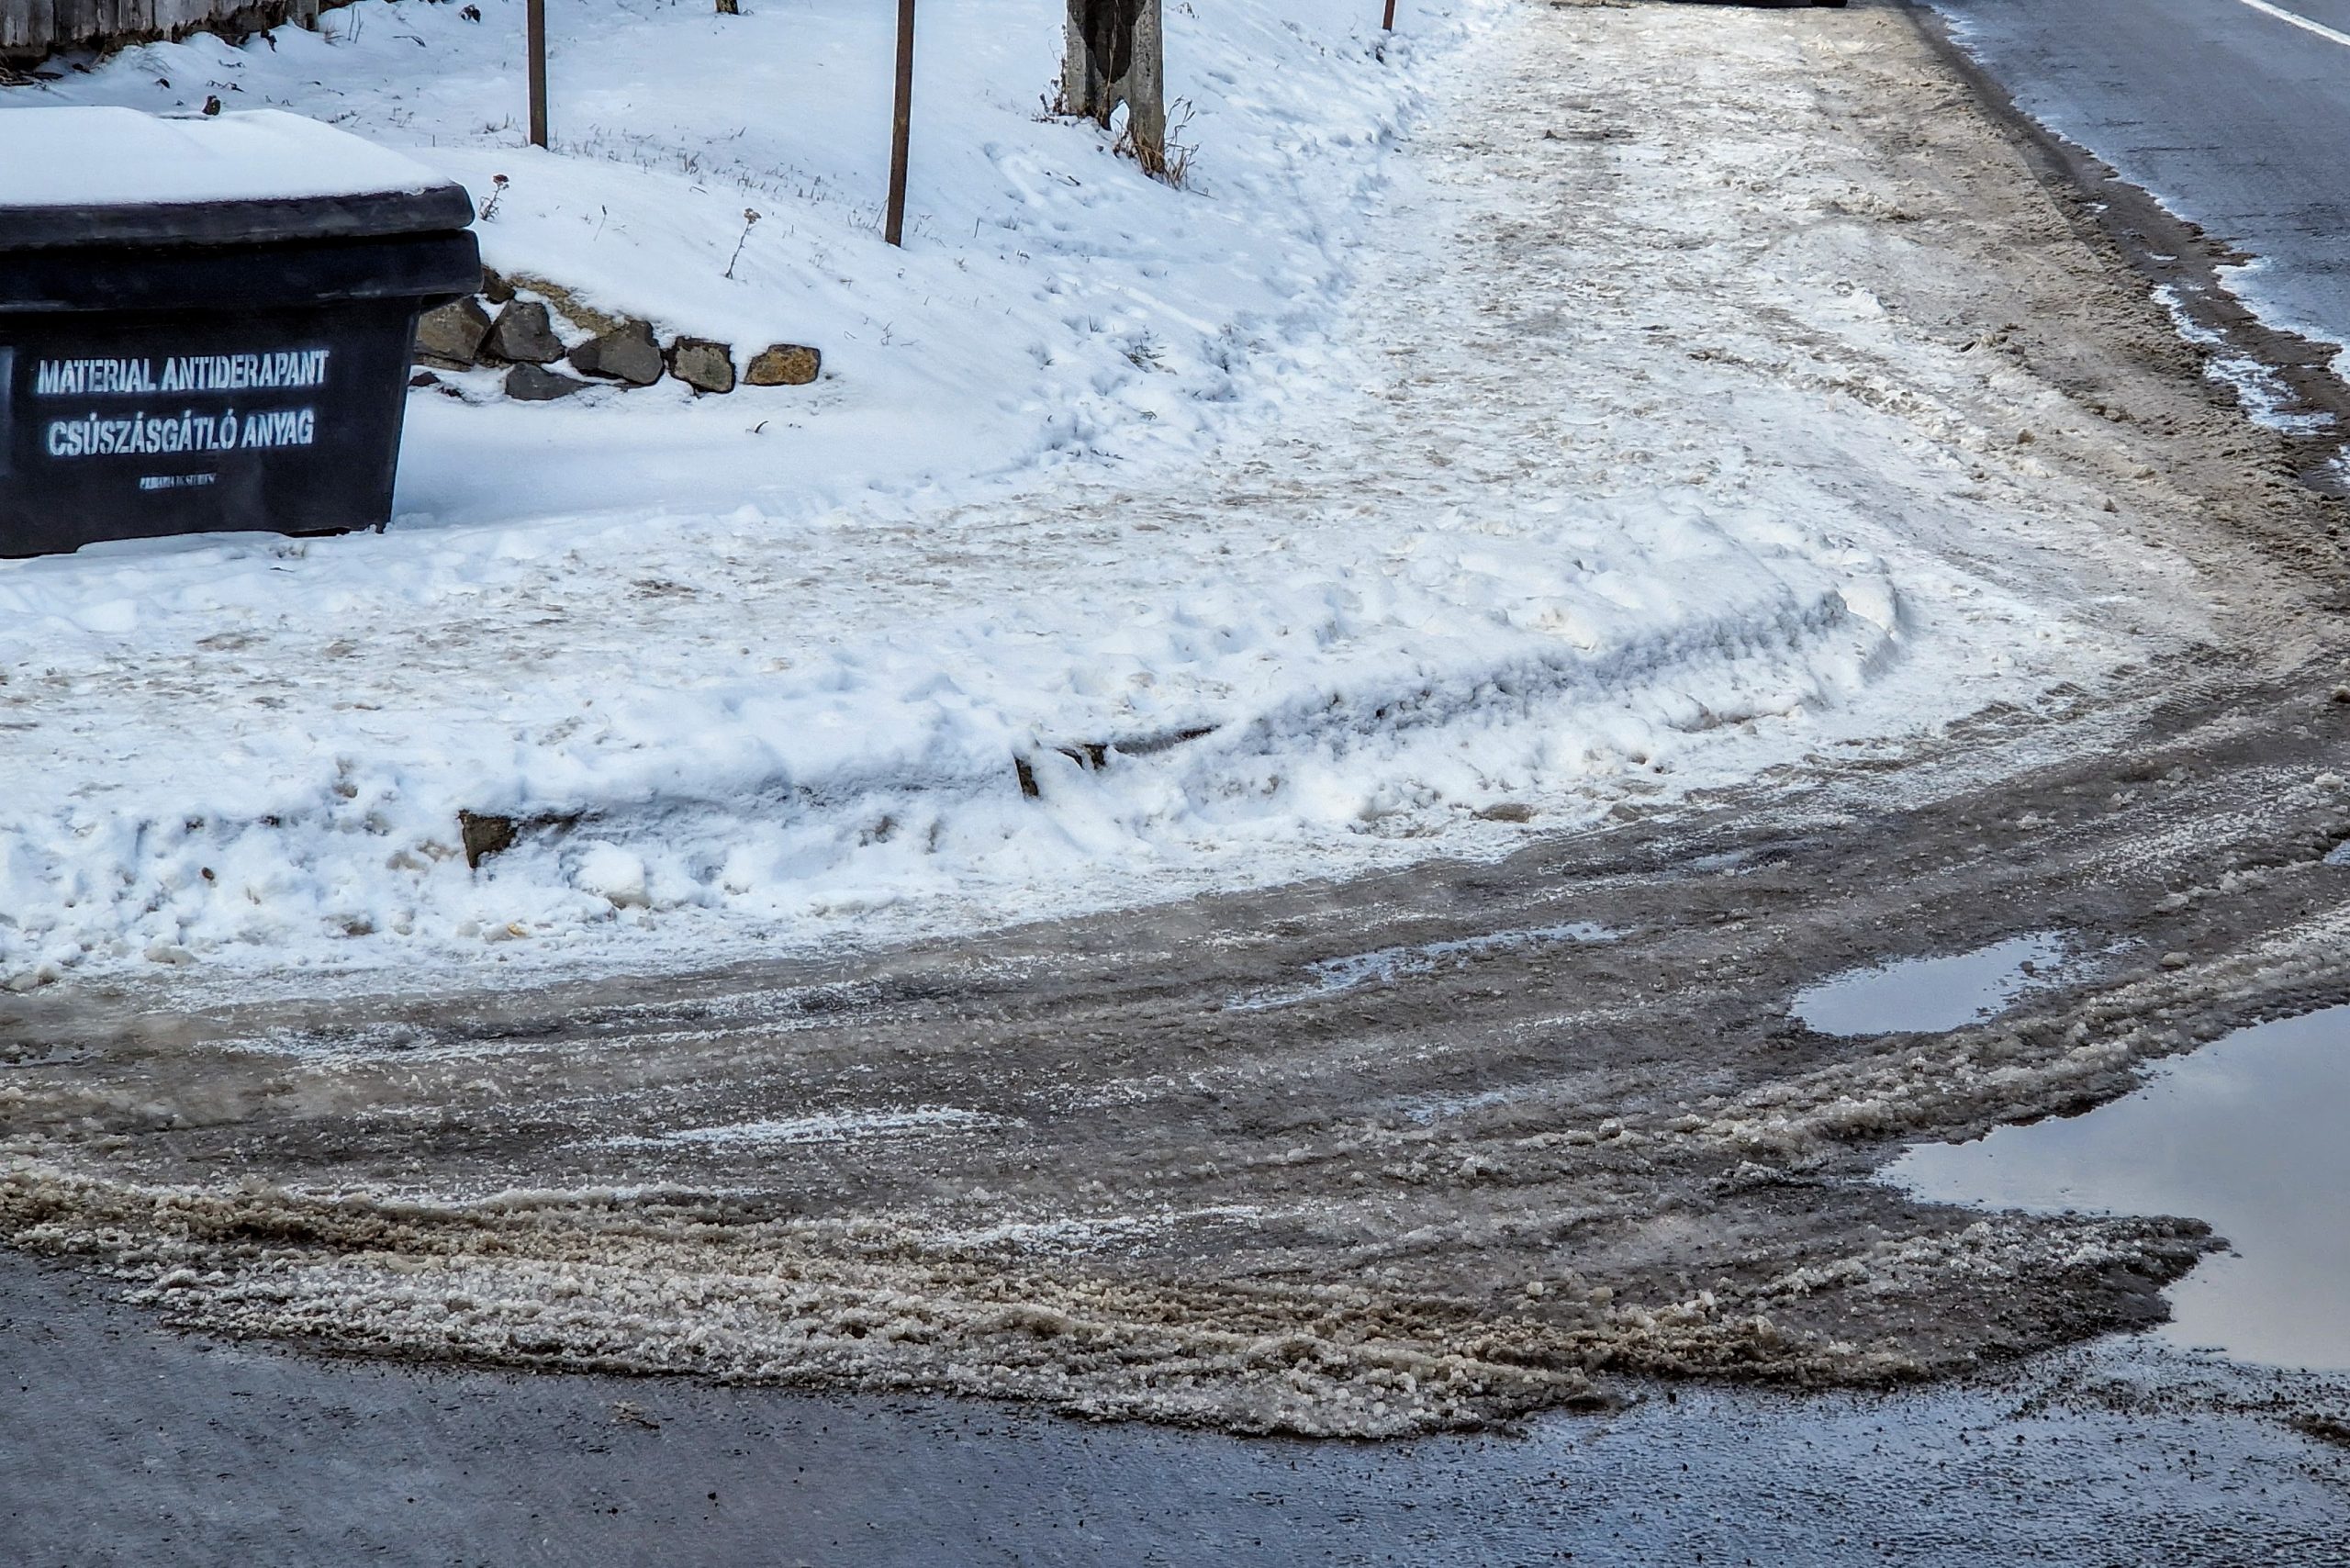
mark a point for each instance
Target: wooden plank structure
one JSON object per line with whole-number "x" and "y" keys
{"x": 32, "y": 30}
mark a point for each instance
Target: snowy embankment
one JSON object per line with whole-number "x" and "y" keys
{"x": 1368, "y": 498}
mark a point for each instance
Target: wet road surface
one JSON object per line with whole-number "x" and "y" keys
{"x": 2236, "y": 116}
{"x": 124, "y": 1443}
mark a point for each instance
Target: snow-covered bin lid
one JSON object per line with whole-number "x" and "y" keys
{"x": 113, "y": 176}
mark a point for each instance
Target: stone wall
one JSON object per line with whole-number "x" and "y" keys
{"x": 31, "y": 30}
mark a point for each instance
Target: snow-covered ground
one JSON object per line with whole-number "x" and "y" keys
{"x": 1399, "y": 485}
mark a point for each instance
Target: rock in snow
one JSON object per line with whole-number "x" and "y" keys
{"x": 704, "y": 365}
{"x": 784, "y": 365}
{"x": 566, "y": 304}
{"x": 626, "y": 354}
{"x": 523, "y": 335}
{"x": 450, "y": 337}
{"x": 536, "y": 383}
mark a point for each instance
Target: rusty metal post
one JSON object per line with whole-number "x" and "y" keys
{"x": 535, "y": 23}
{"x": 902, "y": 126}
{"x": 1390, "y": 23}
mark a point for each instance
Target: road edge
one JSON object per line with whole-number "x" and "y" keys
{"x": 2134, "y": 228}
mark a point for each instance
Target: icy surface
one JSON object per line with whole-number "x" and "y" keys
{"x": 119, "y": 157}
{"x": 1931, "y": 994}
{"x": 2247, "y": 1133}
{"x": 1333, "y": 976}
{"x": 2259, "y": 390}
{"x": 842, "y": 1127}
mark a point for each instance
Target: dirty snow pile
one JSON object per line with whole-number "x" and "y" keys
{"x": 1364, "y": 496}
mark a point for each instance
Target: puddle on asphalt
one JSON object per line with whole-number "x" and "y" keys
{"x": 2247, "y": 1133}
{"x": 1333, "y": 976}
{"x": 1929, "y": 995}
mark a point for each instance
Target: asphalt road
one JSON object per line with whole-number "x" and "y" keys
{"x": 2235, "y": 117}
{"x": 121, "y": 1443}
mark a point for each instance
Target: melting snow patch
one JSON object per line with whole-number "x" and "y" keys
{"x": 2245, "y": 1134}
{"x": 1087, "y": 1233}
{"x": 2259, "y": 390}
{"x": 2337, "y": 467}
{"x": 1929, "y": 995}
{"x": 841, "y": 1128}
{"x": 1333, "y": 976}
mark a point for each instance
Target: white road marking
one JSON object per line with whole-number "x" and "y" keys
{"x": 2282, "y": 15}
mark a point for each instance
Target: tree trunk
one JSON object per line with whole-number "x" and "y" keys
{"x": 1115, "y": 56}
